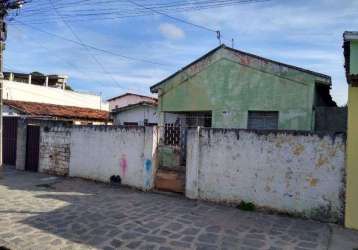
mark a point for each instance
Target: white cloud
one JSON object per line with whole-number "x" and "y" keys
{"x": 171, "y": 31}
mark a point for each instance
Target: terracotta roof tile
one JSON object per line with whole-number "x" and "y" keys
{"x": 58, "y": 111}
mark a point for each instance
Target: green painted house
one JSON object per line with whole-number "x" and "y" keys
{"x": 228, "y": 88}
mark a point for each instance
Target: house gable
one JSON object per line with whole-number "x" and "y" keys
{"x": 229, "y": 89}
{"x": 249, "y": 60}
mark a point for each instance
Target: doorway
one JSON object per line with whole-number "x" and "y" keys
{"x": 32, "y": 148}
{"x": 9, "y": 140}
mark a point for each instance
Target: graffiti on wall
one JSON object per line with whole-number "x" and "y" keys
{"x": 148, "y": 173}
{"x": 123, "y": 165}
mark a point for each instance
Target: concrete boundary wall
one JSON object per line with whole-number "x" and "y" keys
{"x": 298, "y": 173}
{"x": 94, "y": 152}
{"x": 55, "y": 149}
{"x": 98, "y": 152}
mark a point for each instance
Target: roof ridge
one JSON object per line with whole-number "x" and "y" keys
{"x": 134, "y": 105}
{"x": 130, "y": 93}
{"x": 223, "y": 46}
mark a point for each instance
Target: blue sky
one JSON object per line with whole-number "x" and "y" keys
{"x": 304, "y": 33}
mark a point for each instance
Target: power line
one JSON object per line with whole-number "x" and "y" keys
{"x": 151, "y": 4}
{"x": 83, "y": 45}
{"x": 91, "y": 46}
{"x": 123, "y": 9}
{"x": 69, "y": 63}
{"x": 217, "y": 32}
{"x": 172, "y": 17}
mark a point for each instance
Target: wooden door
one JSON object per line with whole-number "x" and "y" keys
{"x": 32, "y": 148}
{"x": 9, "y": 140}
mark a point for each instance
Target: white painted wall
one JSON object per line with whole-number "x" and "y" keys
{"x": 299, "y": 173}
{"x": 42, "y": 94}
{"x": 128, "y": 100}
{"x": 97, "y": 153}
{"x": 137, "y": 114}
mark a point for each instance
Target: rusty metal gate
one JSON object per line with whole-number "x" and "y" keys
{"x": 9, "y": 140}
{"x": 175, "y": 137}
{"x": 32, "y": 148}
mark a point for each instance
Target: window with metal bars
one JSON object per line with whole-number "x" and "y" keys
{"x": 262, "y": 120}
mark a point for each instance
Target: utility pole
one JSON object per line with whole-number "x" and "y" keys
{"x": 5, "y": 6}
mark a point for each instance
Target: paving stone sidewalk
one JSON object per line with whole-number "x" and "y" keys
{"x": 43, "y": 212}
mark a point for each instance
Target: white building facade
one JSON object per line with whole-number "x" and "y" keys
{"x": 129, "y": 99}
{"x": 140, "y": 114}
{"x": 28, "y": 92}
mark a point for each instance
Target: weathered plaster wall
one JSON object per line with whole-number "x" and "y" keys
{"x": 94, "y": 152}
{"x": 296, "y": 173}
{"x": 351, "y": 219}
{"x": 229, "y": 85}
{"x": 99, "y": 152}
{"x": 55, "y": 149}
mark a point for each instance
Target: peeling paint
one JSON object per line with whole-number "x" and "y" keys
{"x": 298, "y": 149}
{"x": 255, "y": 168}
{"x": 321, "y": 161}
{"x": 313, "y": 182}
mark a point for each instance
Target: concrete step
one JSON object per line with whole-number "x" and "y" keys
{"x": 169, "y": 180}
{"x": 180, "y": 169}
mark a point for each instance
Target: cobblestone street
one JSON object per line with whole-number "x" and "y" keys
{"x": 43, "y": 212}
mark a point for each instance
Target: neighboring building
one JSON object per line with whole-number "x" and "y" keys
{"x": 44, "y": 111}
{"x": 36, "y": 78}
{"x": 132, "y": 109}
{"x": 139, "y": 114}
{"x": 129, "y": 99}
{"x": 50, "y": 89}
{"x": 228, "y": 88}
{"x": 351, "y": 65}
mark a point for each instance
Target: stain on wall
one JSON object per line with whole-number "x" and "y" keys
{"x": 285, "y": 171}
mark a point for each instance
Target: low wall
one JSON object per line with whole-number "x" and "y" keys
{"x": 290, "y": 172}
{"x": 98, "y": 152}
{"x": 54, "y": 149}
{"x": 94, "y": 152}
